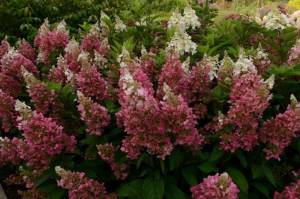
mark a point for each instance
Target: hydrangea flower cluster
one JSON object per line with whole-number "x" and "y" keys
{"x": 48, "y": 41}
{"x": 107, "y": 153}
{"x": 79, "y": 186}
{"x": 43, "y": 138}
{"x": 219, "y": 186}
{"x": 274, "y": 20}
{"x": 180, "y": 120}
{"x": 7, "y": 111}
{"x": 141, "y": 117}
{"x": 45, "y": 100}
{"x": 294, "y": 54}
{"x": 95, "y": 116}
{"x": 10, "y": 74}
{"x": 90, "y": 82}
{"x": 8, "y": 152}
{"x": 278, "y": 133}
{"x": 181, "y": 42}
{"x": 290, "y": 192}
{"x": 248, "y": 99}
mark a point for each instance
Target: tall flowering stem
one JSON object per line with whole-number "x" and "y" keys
{"x": 48, "y": 41}
{"x": 141, "y": 116}
{"x": 95, "y": 115}
{"x": 79, "y": 186}
{"x": 7, "y": 111}
{"x": 219, "y": 186}
{"x": 248, "y": 99}
{"x": 180, "y": 120}
{"x": 107, "y": 153}
{"x": 278, "y": 133}
{"x": 174, "y": 75}
{"x": 290, "y": 192}
{"x": 42, "y": 138}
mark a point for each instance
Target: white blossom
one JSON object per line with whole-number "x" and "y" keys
{"x": 182, "y": 43}
{"x": 119, "y": 25}
{"x": 243, "y": 64}
{"x": 190, "y": 18}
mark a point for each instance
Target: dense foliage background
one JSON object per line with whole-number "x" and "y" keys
{"x": 146, "y": 22}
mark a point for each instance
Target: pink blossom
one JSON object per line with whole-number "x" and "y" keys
{"x": 72, "y": 52}
{"x": 248, "y": 99}
{"x": 95, "y": 115}
{"x": 8, "y": 152}
{"x": 79, "y": 186}
{"x": 173, "y": 74}
{"x": 290, "y": 192}
{"x": 11, "y": 79}
{"x": 7, "y": 111}
{"x": 278, "y": 133}
{"x": 294, "y": 54}
{"x": 141, "y": 117}
{"x": 215, "y": 187}
{"x": 199, "y": 89}
{"x": 93, "y": 42}
{"x": 180, "y": 120}
{"x": 43, "y": 140}
{"x": 107, "y": 153}
{"x": 26, "y": 50}
{"x": 4, "y": 47}
{"x": 47, "y": 41}
{"x": 90, "y": 82}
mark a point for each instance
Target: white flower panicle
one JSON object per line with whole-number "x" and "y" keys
{"x": 270, "y": 82}
{"x": 243, "y": 64}
{"x": 182, "y": 43}
{"x": 119, "y": 25}
{"x": 274, "y": 20}
{"x": 190, "y": 18}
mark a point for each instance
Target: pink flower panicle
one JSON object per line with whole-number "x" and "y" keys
{"x": 79, "y": 186}
{"x": 72, "y": 52}
{"x": 215, "y": 187}
{"x": 90, "y": 82}
{"x": 47, "y": 41}
{"x": 95, "y": 115}
{"x": 278, "y": 133}
{"x": 43, "y": 139}
{"x": 11, "y": 79}
{"x": 290, "y": 192}
{"x": 107, "y": 153}
{"x": 200, "y": 85}
{"x": 175, "y": 76}
{"x": 4, "y": 47}
{"x": 92, "y": 42}
{"x": 26, "y": 50}
{"x": 45, "y": 100}
{"x": 8, "y": 152}
{"x": 7, "y": 111}
{"x": 248, "y": 98}
{"x": 141, "y": 117}
{"x": 57, "y": 74}
{"x": 294, "y": 54}
{"x": 181, "y": 121}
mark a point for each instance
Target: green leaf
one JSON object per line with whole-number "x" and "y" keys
{"x": 132, "y": 189}
{"x": 261, "y": 188}
{"x": 153, "y": 188}
{"x": 176, "y": 159}
{"x": 208, "y": 167}
{"x": 257, "y": 171}
{"x": 242, "y": 158}
{"x": 216, "y": 154}
{"x": 269, "y": 174}
{"x": 239, "y": 179}
{"x": 190, "y": 175}
{"x": 173, "y": 192}
{"x": 44, "y": 177}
